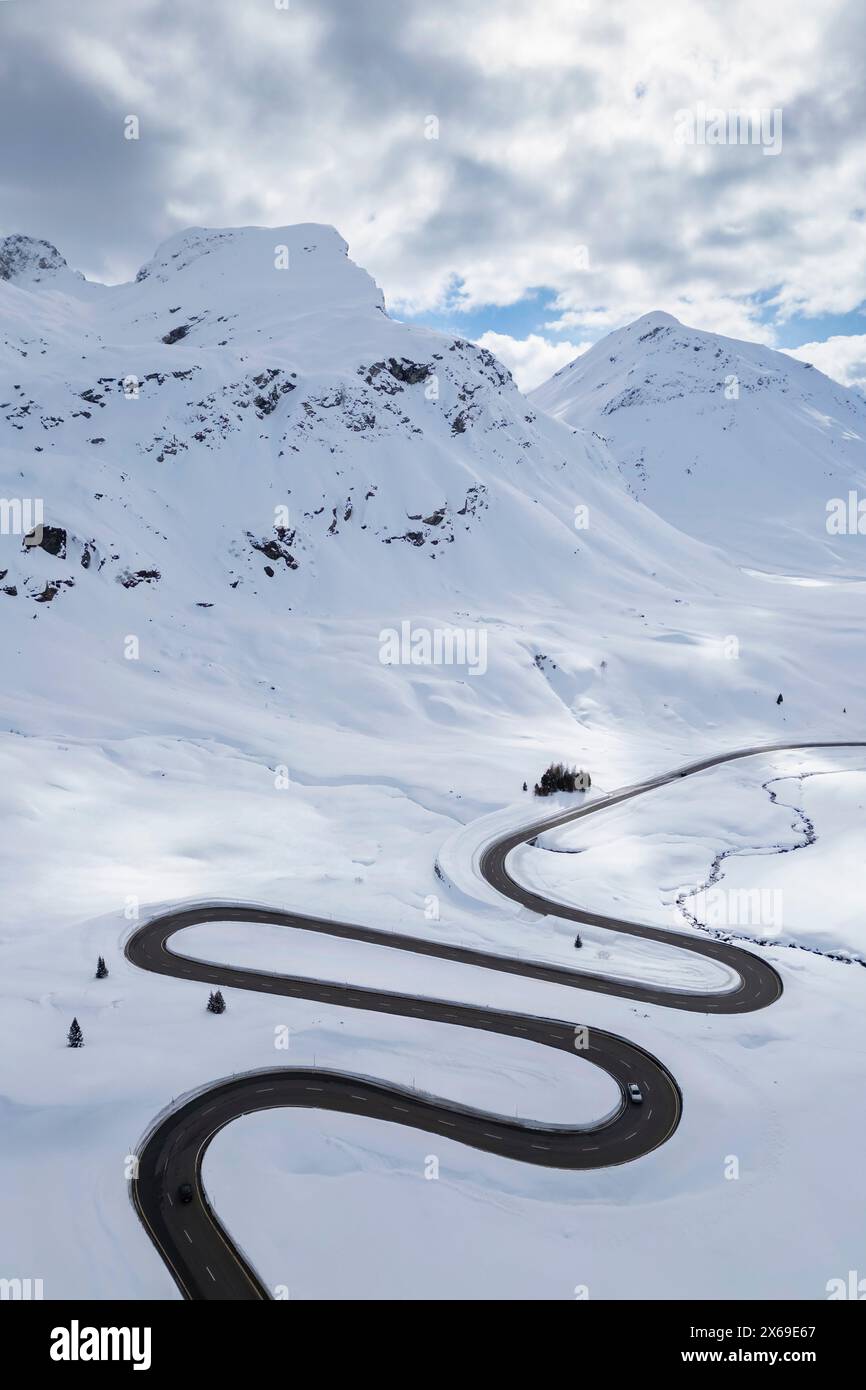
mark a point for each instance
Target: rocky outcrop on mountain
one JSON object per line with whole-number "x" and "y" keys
{"x": 27, "y": 259}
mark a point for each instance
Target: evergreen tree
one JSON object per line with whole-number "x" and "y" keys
{"x": 216, "y": 1004}
{"x": 577, "y": 941}
{"x": 101, "y": 968}
{"x": 524, "y": 786}
{"x": 75, "y": 1037}
{"x": 779, "y": 701}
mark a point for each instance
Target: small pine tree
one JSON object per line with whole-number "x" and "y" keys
{"x": 779, "y": 700}
{"x": 101, "y": 968}
{"x": 524, "y": 786}
{"x": 577, "y": 941}
{"x": 216, "y": 1004}
{"x": 75, "y": 1037}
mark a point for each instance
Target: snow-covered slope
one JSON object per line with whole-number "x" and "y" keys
{"x": 248, "y": 472}
{"x": 222, "y": 413}
{"x": 225, "y": 413}
{"x": 243, "y": 438}
{"x": 732, "y": 442}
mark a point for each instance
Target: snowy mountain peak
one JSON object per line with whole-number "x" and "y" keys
{"x": 640, "y": 330}
{"x": 647, "y": 323}
{"x": 733, "y": 442}
{"x": 243, "y": 423}
{"x": 310, "y": 259}
{"x": 26, "y": 260}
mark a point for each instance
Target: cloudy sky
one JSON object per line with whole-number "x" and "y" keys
{"x": 521, "y": 172}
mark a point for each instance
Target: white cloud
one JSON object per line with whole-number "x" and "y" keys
{"x": 556, "y": 130}
{"x": 533, "y": 359}
{"x": 843, "y": 358}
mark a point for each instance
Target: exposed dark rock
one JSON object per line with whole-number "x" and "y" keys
{"x": 475, "y": 499}
{"x": 131, "y": 579}
{"x": 176, "y": 334}
{"x": 53, "y": 541}
{"x": 404, "y": 371}
{"x": 413, "y": 537}
{"x": 22, "y": 254}
{"x": 268, "y": 399}
{"x": 412, "y": 373}
{"x": 276, "y": 549}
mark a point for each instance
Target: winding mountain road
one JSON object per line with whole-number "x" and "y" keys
{"x": 200, "y": 1254}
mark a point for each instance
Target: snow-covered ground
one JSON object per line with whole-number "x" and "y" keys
{"x": 821, "y": 889}
{"x": 768, "y": 1105}
{"x": 770, "y": 1108}
{"x": 748, "y": 1082}
{"x": 321, "y": 475}
{"x": 782, "y": 865}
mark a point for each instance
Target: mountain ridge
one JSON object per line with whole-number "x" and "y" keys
{"x": 246, "y": 465}
{"x": 769, "y": 439}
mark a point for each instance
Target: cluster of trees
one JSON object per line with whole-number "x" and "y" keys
{"x": 216, "y": 1004}
{"x": 559, "y": 778}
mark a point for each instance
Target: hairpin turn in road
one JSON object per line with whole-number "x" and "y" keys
{"x": 200, "y": 1254}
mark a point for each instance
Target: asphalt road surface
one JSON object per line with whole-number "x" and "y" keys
{"x": 202, "y": 1257}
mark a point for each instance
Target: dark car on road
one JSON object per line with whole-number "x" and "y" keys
{"x": 185, "y": 1193}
